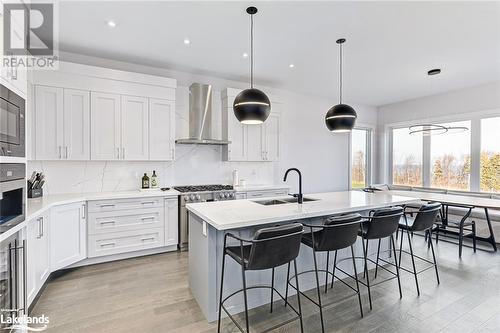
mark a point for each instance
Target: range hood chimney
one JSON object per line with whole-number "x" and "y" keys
{"x": 200, "y": 116}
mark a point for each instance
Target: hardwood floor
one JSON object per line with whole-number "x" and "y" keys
{"x": 151, "y": 294}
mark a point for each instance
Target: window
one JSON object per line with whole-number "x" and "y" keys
{"x": 406, "y": 157}
{"x": 360, "y": 166}
{"x": 450, "y": 157}
{"x": 490, "y": 155}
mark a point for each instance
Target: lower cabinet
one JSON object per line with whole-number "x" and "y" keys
{"x": 121, "y": 226}
{"x": 67, "y": 235}
{"x": 37, "y": 231}
{"x": 262, "y": 194}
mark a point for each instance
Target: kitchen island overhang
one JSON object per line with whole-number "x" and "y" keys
{"x": 210, "y": 221}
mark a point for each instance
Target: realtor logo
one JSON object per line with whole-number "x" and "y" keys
{"x": 30, "y": 36}
{"x": 28, "y": 29}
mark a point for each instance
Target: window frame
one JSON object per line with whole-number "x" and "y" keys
{"x": 475, "y": 145}
{"x": 369, "y": 163}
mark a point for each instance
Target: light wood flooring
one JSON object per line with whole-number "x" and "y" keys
{"x": 151, "y": 294}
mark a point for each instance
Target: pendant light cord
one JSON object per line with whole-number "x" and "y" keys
{"x": 251, "y": 51}
{"x": 340, "y": 74}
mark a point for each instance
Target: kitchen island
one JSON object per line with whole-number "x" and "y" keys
{"x": 209, "y": 221}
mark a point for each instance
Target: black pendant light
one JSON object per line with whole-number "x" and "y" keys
{"x": 251, "y": 106}
{"x": 341, "y": 117}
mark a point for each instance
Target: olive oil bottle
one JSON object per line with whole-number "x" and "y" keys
{"x": 145, "y": 181}
{"x": 154, "y": 180}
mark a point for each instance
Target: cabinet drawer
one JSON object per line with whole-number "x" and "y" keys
{"x": 125, "y": 241}
{"x": 121, "y": 204}
{"x": 104, "y": 222}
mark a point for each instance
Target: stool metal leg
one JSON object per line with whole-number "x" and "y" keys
{"x": 378, "y": 255}
{"x": 287, "y": 284}
{"x": 334, "y": 267}
{"x": 365, "y": 254}
{"x": 474, "y": 236}
{"x": 220, "y": 294}
{"x": 460, "y": 238}
{"x": 326, "y": 271}
{"x": 317, "y": 288}
{"x": 413, "y": 262}
{"x": 272, "y": 288}
{"x": 401, "y": 245}
{"x": 435, "y": 263}
{"x": 245, "y": 296}
{"x": 397, "y": 266}
{"x": 356, "y": 278}
{"x": 298, "y": 296}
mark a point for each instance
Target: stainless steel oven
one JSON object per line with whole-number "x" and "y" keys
{"x": 12, "y": 195}
{"x": 12, "y": 123}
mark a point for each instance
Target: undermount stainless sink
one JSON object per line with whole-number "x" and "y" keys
{"x": 281, "y": 201}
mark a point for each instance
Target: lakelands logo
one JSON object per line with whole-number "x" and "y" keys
{"x": 29, "y": 35}
{"x": 24, "y": 323}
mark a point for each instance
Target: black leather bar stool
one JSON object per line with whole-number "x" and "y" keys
{"x": 270, "y": 248}
{"x": 380, "y": 224}
{"x": 337, "y": 232}
{"x": 423, "y": 221}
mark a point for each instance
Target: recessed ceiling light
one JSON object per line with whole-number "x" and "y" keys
{"x": 245, "y": 55}
{"x": 291, "y": 65}
{"x": 187, "y": 41}
{"x": 111, "y": 24}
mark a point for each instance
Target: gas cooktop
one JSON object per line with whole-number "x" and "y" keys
{"x": 203, "y": 188}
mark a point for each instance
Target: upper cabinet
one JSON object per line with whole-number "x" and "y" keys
{"x": 106, "y": 126}
{"x": 251, "y": 143}
{"x": 90, "y": 113}
{"x": 161, "y": 129}
{"x": 62, "y": 118}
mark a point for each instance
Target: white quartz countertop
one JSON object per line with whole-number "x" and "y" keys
{"x": 261, "y": 187}
{"x": 38, "y": 205}
{"x": 232, "y": 214}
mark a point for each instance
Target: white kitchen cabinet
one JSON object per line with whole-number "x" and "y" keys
{"x": 76, "y": 125}
{"x": 271, "y": 137}
{"x": 105, "y": 118}
{"x": 49, "y": 123}
{"x": 38, "y": 267}
{"x": 171, "y": 221}
{"x": 255, "y": 194}
{"x": 62, "y": 124}
{"x": 253, "y": 143}
{"x": 67, "y": 235}
{"x": 134, "y": 128}
{"x": 161, "y": 129}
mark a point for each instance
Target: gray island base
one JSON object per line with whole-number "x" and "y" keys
{"x": 210, "y": 221}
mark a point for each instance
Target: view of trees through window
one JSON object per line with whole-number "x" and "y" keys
{"x": 406, "y": 157}
{"x": 359, "y": 157}
{"x": 450, "y": 157}
{"x": 490, "y": 155}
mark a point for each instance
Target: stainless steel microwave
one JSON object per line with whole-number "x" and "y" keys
{"x": 12, "y": 195}
{"x": 12, "y": 123}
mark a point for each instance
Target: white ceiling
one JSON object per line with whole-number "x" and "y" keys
{"x": 390, "y": 45}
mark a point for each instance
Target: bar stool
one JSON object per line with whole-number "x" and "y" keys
{"x": 270, "y": 248}
{"x": 423, "y": 221}
{"x": 337, "y": 232}
{"x": 380, "y": 224}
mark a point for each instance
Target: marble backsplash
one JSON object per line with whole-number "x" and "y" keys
{"x": 194, "y": 164}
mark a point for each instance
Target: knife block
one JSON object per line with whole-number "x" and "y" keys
{"x": 35, "y": 193}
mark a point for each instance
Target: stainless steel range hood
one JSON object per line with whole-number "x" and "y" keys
{"x": 200, "y": 117}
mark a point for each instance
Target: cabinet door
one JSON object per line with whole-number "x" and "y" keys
{"x": 171, "y": 221}
{"x": 135, "y": 128}
{"x": 237, "y": 134}
{"x": 255, "y": 142}
{"x": 32, "y": 235}
{"x": 161, "y": 129}
{"x": 105, "y": 127}
{"x": 38, "y": 268}
{"x": 76, "y": 124}
{"x": 67, "y": 235}
{"x": 49, "y": 123}
{"x": 272, "y": 137}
